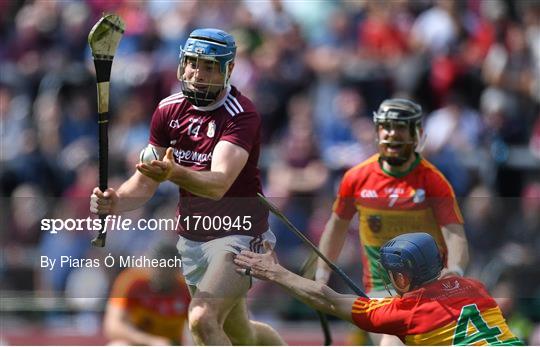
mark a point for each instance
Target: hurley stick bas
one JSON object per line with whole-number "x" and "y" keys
{"x": 103, "y": 40}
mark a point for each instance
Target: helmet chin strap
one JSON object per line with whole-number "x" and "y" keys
{"x": 384, "y": 278}
{"x": 198, "y": 97}
{"x": 387, "y": 287}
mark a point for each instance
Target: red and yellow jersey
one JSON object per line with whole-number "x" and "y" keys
{"x": 451, "y": 311}
{"x": 389, "y": 205}
{"x": 157, "y": 313}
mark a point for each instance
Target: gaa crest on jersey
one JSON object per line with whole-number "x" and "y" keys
{"x": 449, "y": 285}
{"x": 174, "y": 123}
{"x": 211, "y": 129}
{"x": 369, "y": 193}
{"x": 375, "y": 223}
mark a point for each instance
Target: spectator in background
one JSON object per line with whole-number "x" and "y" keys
{"x": 47, "y": 118}
{"x": 78, "y": 120}
{"x": 451, "y": 132}
{"x": 341, "y": 34}
{"x": 31, "y": 166}
{"x": 382, "y": 34}
{"x": 524, "y": 226}
{"x": 272, "y": 16}
{"x": 436, "y": 29}
{"x": 282, "y": 73}
{"x": 502, "y": 128}
{"x": 534, "y": 142}
{"x": 509, "y": 68}
{"x": 28, "y": 205}
{"x": 530, "y": 12}
{"x": 509, "y": 64}
{"x": 129, "y": 131}
{"x": 339, "y": 135}
{"x": 249, "y": 38}
{"x": 482, "y": 210}
{"x": 14, "y": 115}
{"x": 455, "y": 126}
{"x": 297, "y": 175}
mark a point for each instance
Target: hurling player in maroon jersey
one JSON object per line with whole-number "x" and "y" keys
{"x": 208, "y": 140}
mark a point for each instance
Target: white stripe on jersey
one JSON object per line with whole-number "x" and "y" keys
{"x": 177, "y": 101}
{"x": 173, "y": 96}
{"x": 232, "y": 106}
{"x": 229, "y": 110}
{"x": 230, "y": 97}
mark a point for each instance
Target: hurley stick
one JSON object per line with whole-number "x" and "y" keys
{"x": 103, "y": 40}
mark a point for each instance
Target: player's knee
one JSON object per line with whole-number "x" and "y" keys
{"x": 202, "y": 320}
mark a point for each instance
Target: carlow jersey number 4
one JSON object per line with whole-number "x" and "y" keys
{"x": 470, "y": 314}
{"x": 471, "y": 317}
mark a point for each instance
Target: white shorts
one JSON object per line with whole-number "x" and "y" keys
{"x": 197, "y": 256}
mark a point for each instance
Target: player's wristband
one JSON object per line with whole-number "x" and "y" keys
{"x": 323, "y": 274}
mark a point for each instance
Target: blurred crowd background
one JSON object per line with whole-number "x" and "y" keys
{"x": 316, "y": 71}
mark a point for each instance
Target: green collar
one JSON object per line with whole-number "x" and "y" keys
{"x": 404, "y": 173}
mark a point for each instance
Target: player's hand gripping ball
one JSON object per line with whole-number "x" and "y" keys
{"x": 148, "y": 154}
{"x": 158, "y": 170}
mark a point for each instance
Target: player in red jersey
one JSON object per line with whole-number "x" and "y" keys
{"x": 428, "y": 310}
{"x": 208, "y": 139}
{"x": 394, "y": 192}
{"x": 148, "y": 306}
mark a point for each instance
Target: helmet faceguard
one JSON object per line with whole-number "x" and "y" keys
{"x": 415, "y": 255}
{"x": 394, "y": 114}
{"x": 212, "y": 50}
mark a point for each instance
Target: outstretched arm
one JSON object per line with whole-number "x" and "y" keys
{"x": 387, "y": 316}
{"x": 228, "y": 160}
{"x": 317, "y": 295}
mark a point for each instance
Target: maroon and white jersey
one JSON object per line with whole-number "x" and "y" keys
{"x": 193, "y": 132}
